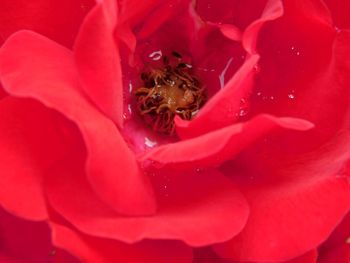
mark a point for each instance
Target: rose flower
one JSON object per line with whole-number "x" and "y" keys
{"x": 177, "y": 131}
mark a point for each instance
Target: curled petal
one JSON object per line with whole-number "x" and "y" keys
{"x": 272, "y": 11}
{"x": 222, "y": 109}
{"x": 214, "y": 148}
{"x": 205, "y": 199}
{"x": 98, "y": 60}
{"x": 91, "y": 249}
{"x": 51, "y": 78}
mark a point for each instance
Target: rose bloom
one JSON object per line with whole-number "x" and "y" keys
{"x": 175, "y": 131}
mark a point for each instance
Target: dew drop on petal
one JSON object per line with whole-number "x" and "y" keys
{"x": 156, "y": 55}
{"x": 257, "y": 68}
{"x": 291, "y": 96}
{"x": 149, "y": 143}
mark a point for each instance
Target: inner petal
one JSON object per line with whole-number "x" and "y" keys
{"x": 214, "y": 59}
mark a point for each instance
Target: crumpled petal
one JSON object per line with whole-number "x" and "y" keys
{"x": 214, "y": 148}
{"x": 204, "y": 199}
{"x": 51, "y": 78}
{"x": 91, "y": 249}
{"x": 98, "y": 60}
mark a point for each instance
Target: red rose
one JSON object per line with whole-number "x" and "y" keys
{"x": 178, "y": 131}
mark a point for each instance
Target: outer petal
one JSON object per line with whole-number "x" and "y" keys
{"x": 30, "y": 143}
{"x": 337, "y": 254}
{"x": 337, "y": 247}
{"x": 28, "y": 242}
{"x": 339, "y": 12}
{"x": 23, "y": 240}
{"x": 204, "y": 199}
{"x": 206, "y": 255}
{"x": 97, "y": 250}
{"x": 51, "y": 78}
{"x": 98, "y": 60}
{"x": 214, "y": 148}
{"x": 3, "y": 94}
{"x": 58, "y": 20}
{"x": 288, "y": 217}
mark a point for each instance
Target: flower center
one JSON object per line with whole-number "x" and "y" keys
{"x": 167, "y": 92}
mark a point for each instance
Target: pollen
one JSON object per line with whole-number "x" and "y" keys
{"x": 169, "y": 91}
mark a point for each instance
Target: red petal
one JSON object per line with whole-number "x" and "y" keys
{"x": 222, "y": 109}
{"x": 339, "y": 12}
{"x": 236, "y": 12}
{"x": 97, "y": 250}
{"x": 214, "y": 148}
{"x": 23, "y": 241}
{"x": 206, "y": 255}
{"x": 337, "y": 254}
{"x": 288, "y": 218}
{"x": 98, "y": 60}
{"x": 30, "y": 143}
{"x": 206, "y": 200}
{"x": 134, "y": 11}
{"x": 51, "y": 78}
{"x": 299, "y": 75}
{"x": 310, "y": 257}
{"x": 325, "y": 102}
{"x": 226, "y": 106}
{"x": 58, "y": 20}
{"x": 340, "y": 235}
{"x": 272, "y": 11}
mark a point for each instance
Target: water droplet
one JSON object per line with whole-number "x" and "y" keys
{"x": 199, "y": 170}
{"x": 257, "y": 68}
{"x": 291, "y": 95}
{"x": 125, "y": 116}
{"x": 295, "y": 51}
{"x": 337, "y": 29}
{"x": 156, "y": 55}
{"x": 149, "y": 143}
{"x": 242, "y": 112}
{"x": 348, "y": 240}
